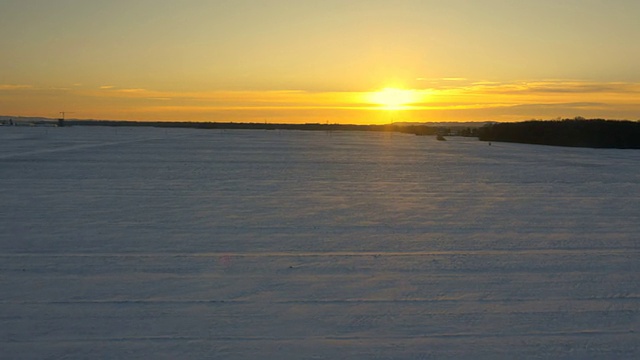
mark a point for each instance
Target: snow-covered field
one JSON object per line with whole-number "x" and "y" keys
{"x": 132, "y": 243}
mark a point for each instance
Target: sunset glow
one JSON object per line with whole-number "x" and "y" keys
{"x": 306, "y": 61}
{"x": 395, "y": 99}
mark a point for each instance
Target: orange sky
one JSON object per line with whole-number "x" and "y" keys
{"x": 309, "y": 61}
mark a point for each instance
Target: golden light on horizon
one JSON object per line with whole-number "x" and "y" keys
{"x": 395, "y": 99}
{"x": 196, "y": 60}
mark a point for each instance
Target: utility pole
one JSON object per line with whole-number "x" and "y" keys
{"x": 61, "y": 120}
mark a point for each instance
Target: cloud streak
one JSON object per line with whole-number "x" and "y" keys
{"x": 240, "y": 99}
{"x": 6, "y": 87}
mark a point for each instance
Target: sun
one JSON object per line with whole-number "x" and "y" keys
{"x": 395, "y": 99}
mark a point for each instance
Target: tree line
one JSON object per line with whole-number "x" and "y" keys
{"x": 577, "y": 132}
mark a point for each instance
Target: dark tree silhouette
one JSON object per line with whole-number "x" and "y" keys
{"x": 578, "y": 132}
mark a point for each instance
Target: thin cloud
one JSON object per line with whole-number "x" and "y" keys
{"x": 132, "y": 90}
{"x": 14, "y": 87}
{"x": 257, "y": 99}
{"x": 552, "y": 87}
{"x": 444, "y": 79}
{"x": 573, "y": 104}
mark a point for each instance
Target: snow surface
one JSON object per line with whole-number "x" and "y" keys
{"x": 129, "y": 243}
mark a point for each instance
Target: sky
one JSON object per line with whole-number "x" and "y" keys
{"x": 305, "y": 61}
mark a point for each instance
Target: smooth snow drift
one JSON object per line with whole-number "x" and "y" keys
{"x": 124, "y": 243}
